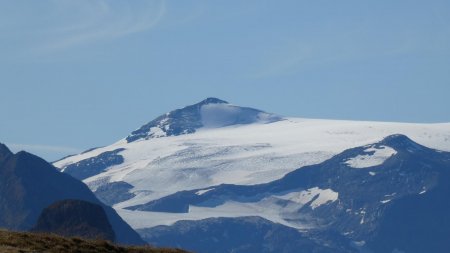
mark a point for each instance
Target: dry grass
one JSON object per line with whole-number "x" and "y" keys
{"x": 24, "y": 242}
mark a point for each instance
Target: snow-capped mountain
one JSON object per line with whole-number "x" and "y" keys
{"x": 241, "y": 153}
{"x": 167, "y": 170}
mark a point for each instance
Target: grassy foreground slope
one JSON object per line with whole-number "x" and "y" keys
{"x": 25, "y": 242}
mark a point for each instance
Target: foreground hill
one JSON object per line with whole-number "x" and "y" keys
{"x": 75, "y": 218}
{"x": 20, "y": 242}
{"x": 28, "y": 184}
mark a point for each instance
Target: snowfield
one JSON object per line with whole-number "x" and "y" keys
{"x": 268, "y": 208}
{"x": 243, "y": 154}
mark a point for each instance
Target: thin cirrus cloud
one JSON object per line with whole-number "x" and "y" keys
{"x": 87, "y": 22}
{"x": 303, "y": 55}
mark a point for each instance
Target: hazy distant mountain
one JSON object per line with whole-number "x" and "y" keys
{"x": 28, "y": 184}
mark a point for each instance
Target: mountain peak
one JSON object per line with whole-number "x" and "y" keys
{"x": 25, "y": 156}
{"x": 377, "y": 153}
{"x": 209, "y": 113}
{"x": 400, "y": 141}
{"x": 213, "y": 100}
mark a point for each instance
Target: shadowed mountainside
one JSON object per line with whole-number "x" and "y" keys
{"x": 28, "y": 184}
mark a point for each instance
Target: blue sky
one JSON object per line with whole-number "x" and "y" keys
{"x": 80, "y": 74}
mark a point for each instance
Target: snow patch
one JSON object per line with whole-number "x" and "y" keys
{"x": 201, "y": 192}
{"x": 379, "y": 156}
{"x": 360, "y": 243}
{"x": 363, "y": 214}
{"x": 157, "y": 132}
{"x": 269, "y": 208}
{"x": 322, "y": 196}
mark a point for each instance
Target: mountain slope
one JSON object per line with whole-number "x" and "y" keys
{"x": 417, "y": 223}
{"x": 28, "y": 184}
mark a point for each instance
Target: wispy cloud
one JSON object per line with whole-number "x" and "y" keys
{"x": 302, "y": 55}
{"x": 76, "y": 23}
